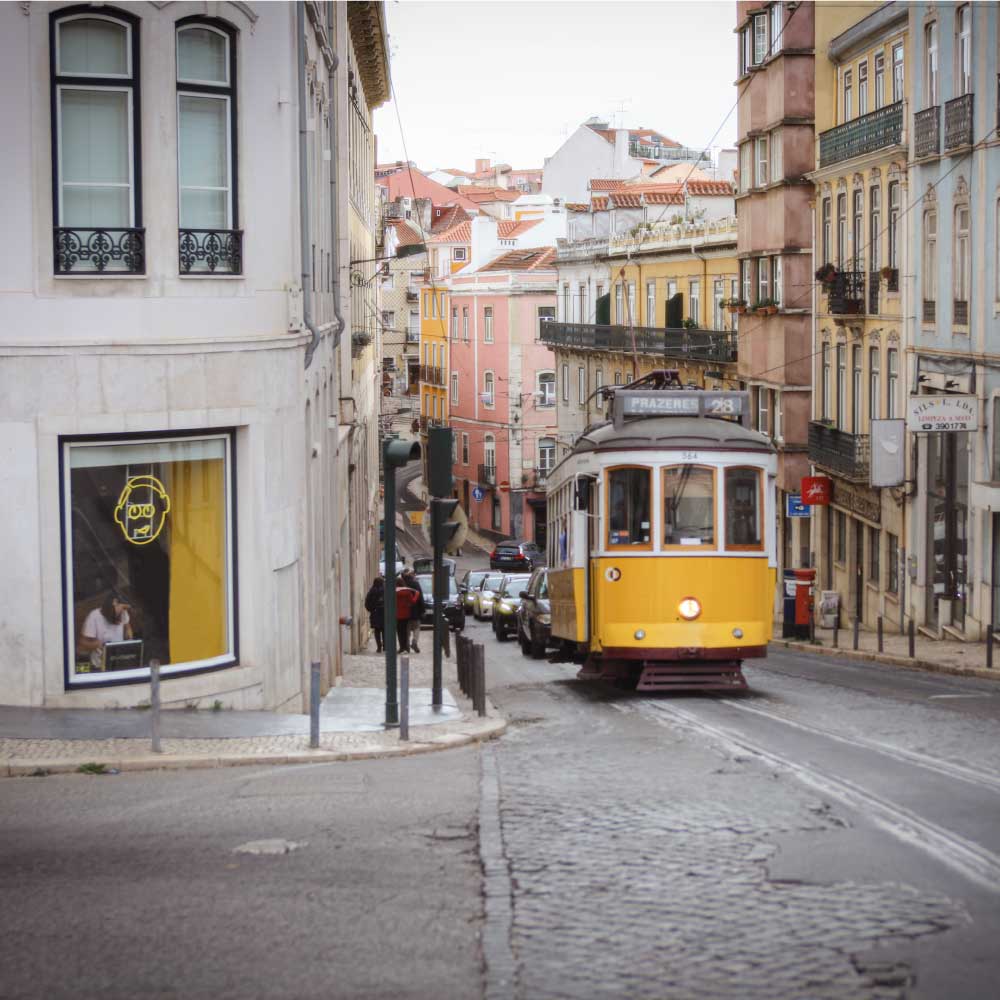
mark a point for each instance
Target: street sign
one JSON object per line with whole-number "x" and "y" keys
{"x": 794, "y": 507}
{"x": 478, "y": 493}
{"x": 505, "y": 487}
{"x": 816, "y": 490}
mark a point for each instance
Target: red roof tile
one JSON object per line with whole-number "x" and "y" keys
{"x": 510, "y": 228}
{"x": 709, "y": 187}
{"x": 606, "y": 184}
{"x": 406, "y": 233}
{"x": 533, "y": 259}
{"x": 462, "y": 233}
{"x": 445, "y": 218}
{"x": 399, "y": 185}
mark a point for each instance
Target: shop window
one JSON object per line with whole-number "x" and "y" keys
{"x": 841, "y": 536}
{"x": 149, "y": 557}
{"x": 628, "y": 507}
{"x": 874, "y": 554}
{"x": 892, "y": 559}
{"x": 743, "y": 513}
{"x": 689, "y": 506}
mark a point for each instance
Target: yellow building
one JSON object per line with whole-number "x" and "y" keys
{"x": 433, "y": 298}
{"x": 859, "y": 249}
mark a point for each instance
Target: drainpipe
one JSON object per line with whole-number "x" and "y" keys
{"x": 304, "y": 226}
{"x": 341, "y": 323}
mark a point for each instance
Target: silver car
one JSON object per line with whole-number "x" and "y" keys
{"x": 484, "y": 598}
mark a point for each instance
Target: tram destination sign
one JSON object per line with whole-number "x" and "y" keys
{"x": 664, "y": 403}
{"x": 942, "y": 413}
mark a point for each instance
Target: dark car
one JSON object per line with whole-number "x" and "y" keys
{"x": 454, "y": 610}
{"x": 425, "y": 564}
{"x": 534, "y": 616}
{"x": 505, "y": 607}
{"x": 516, "y": 556}
{"x": 469, "y": 584}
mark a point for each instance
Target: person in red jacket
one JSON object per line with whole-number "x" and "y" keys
{"x": 406, "y": 602}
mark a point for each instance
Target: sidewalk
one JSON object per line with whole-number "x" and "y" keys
{"x": 942, "y": 656}
{"x": 35, "y": 741}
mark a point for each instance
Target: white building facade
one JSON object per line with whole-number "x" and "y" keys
{"x": 175, "y": 351}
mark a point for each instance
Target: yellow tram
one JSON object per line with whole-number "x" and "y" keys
{"x": 661, "y": 541}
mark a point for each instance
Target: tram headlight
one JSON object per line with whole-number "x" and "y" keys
{"x": 640, "y": 633}
{"x": 689, "y": 609}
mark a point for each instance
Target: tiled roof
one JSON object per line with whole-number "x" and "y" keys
{"x": 646, "y": 135}
{"x": 577, "y": 206}
{"x": 600, "y": 203}
{"x": 462, "y": 233}
{"x": 709, "y": 188}
{"x": 482, "y": 194}
{"x": 523, "y": 260}
{"x": 407, "y": 234}
{"x": 399, "y": 185}
{"x": 606, "y": 184}
{"x": 508, "y": 229}
{"x": 627, "y": 199}
{"x": 450, "y": 216}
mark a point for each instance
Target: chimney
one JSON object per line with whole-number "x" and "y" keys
{"x": 482, "y": 164}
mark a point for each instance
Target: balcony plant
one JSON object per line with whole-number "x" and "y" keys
{"x": 736, "y": 305}
{"x": 690, "y": 324}
{"x": 826, "y": 274}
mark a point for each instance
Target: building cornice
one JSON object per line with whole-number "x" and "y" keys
{"x": 366, "y": 21}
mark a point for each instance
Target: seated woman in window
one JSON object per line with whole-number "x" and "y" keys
{"x": 108, "y": 623}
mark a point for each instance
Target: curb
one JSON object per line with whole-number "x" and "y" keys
{"x": 928, "y": 666}
{"x": 490, "y": 729}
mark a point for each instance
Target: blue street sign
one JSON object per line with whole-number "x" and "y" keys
{"x": 478, "y": 493}
{"x": 794, "y": 507}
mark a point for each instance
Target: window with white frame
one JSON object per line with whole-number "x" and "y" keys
{"x": 856, "y": 412}
{"x": 546, "y": 455}
{"x": 841, "y": 386}
{"x": 763, "y": 279}
{"x": 897, "y": 73}
{"x": 565, "y": 383}
{"x": 894, "y": 224}
{"x": 848, "y": 107}
{"x": 759, "y": 38}
{"x": 930, "y": 257}
{"x": 490, "y": 452}
{"x": 454, "y": 387}
{"x": 879, "y": 80}
{"x": 581, "y": 303}
{"x": 388, "y": 281}
{"x": 465, "y": 448}
{"x": 650, "y": 319}
{"x": 459, "y": 254}
{"x": 863, "y": 87}
{"x": 858, "y": 230}
{"x": 760, "y": 175}
{"x": 931, "y": 64}
{"x": 489, "y": 396}
{"x": 892, "y": 382}
{"x": 777, "y": 164}
{"x": 961, "y": 265}
{"x": 434, "y": 305}
{"x": 874, "y": 231}
{"x": 694, "y": 301}
{"x": 746, "y": 166}
{"x": 454, "y": 322}
{"x": 777, "y": 280}
{"x": 746, "y": 281}
{"x": 581, "y": 385}
{"x": 718, "y": 309}
{"x": 841, "y": 230}
{"x": 159, "y": 582}
{"x": 487, "y": 324}
{"x": 598, "y": 382}
{"x": 963, "y": 50}
{"x": 427, "y": 306}
{"x": 545, "y": 392}
{"x": 465, "y": 323}
{"x": 825, "y": 384}
{"x": 95, "y": 138}
{"x": 826, "y": 227}
{"x": 567, "y": 317}
{"x": 777, "y": 28}
{"x": 618, "y": 303}
{"x": 631, "y": 302}
{"x": 874, "y": 384}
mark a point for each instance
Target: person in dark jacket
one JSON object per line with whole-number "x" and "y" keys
{"x": 375, "y": 606}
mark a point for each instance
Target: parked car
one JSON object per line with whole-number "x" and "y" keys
{"x": 534, "y": 616}
{"x": 454, "y": 612}
{"x": 469, "y": 584}
{"x": 399, "y": 567}
{"x": 505, "y": 607}
{"x": 485, "y": 595}
{"x": 516, "y": 556}
{"x": 425, "y": 564}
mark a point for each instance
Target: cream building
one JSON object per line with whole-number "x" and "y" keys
{"x": 186, "y": 418}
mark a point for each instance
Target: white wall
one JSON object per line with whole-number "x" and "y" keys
{"x": 582, "y": 156}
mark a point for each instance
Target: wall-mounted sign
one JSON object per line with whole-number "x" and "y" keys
{"x": 142, "y": 509}
{"x": 942, "y": 413}
{"x": 794, "y": 507}
{"x": 816, "y": 491}
{"x": 478, "y": 493}
{"x": 860, "y": 500}
{"x": 888, "y": 452}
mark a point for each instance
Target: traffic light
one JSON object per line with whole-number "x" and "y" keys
{"x": 443, "y": 529}
{"x": 439, "y": 478}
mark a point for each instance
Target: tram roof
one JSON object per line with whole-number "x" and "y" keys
{"x": 684, "y": 433}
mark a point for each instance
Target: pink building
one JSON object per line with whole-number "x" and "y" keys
{"x": 502, "y": 401}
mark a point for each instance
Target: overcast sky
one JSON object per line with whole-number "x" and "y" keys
{"x": 512, "y": 80}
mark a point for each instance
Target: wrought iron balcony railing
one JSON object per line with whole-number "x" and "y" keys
{"x": 848, "y": 455}
{"x": 412, "y": 295}
{"x": 927, "y": 132}
{"x": 958, "y": 123}
{"x": 719, "y": 346}
{"x": 487, "y": 475}
{"x": 88, "y": 250}
{"x": 846, "y": 293}
{"x": 210, "y": 251}
{"x": 413, "y": 336}
{"x": 438, "y": 376}
{"x": 866, "y": 134}
{"x": 960, "y": 312}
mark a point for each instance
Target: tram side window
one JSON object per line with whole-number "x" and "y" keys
{"x": 743, "y": 514}
{"x": 628, "y": 507}
{"x": 689, "y": 506}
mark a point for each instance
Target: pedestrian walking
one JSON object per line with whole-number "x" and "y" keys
{"x": 417, "y": 614}
{"x": 406, "y": 599}
{"x": 375, "y": 606}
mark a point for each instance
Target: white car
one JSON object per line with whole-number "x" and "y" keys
{"x": 399, "y": 567}
{"x": 484, "y": 597}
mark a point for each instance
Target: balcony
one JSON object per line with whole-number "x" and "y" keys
{"x": 846, "y": 294}
{"x": 958, "y": 123}
{"x": 847, "y": 455}
{"x": 891, "y": 279}
{"x": 867, "y": 134}
{"x": 873, "y": 290}
{"x": 672, "y": 153}
{"x": 437, "y": 376}
{"x": 719, "y": 346}
{"x": 210, "y": 251}
{"x": 412, "y": 295}
{"x": 487, "y": 475}
{"x": 99, "y": 251}
{"x": 927, "y": 132}
{"x": 960, "y": 312}
{"x": 413, "y": 336}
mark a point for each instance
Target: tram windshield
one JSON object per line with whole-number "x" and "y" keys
{"x": 743, "y": 498}
{"x": 628, "y": 507}
{"x": 689, "y": 506}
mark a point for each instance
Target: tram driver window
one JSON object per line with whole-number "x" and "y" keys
{"x": 743, "y": 520}
{"x": 689, "y": 506}
{"x": 628, "y": 507}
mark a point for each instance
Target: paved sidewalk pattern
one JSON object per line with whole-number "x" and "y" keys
{"x": 40, "y": 741}
{"x": 943, "y": 656}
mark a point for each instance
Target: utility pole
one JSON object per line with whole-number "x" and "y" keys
{"x": 440, "y": 485}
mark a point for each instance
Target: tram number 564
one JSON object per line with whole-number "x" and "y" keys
{"x": 689, "y": 456}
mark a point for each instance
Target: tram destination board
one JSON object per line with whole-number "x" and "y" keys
{"x": 682, "y": 403}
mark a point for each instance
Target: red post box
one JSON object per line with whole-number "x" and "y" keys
{"x": 804, "y": 582}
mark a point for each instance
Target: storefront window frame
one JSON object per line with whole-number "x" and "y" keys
{"x": 72, "y": 681}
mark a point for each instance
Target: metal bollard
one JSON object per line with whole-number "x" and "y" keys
{"x": 881, "y": 642}
{"x": 460, "y": 660}
{"x": 836, "y": 631}
{"x": 857, "y": 638}
{"x": 479, "y": 680}
{"x": 989, "y": 647}
{"x": 913, "y": 640}
{"x": 404, "y": 698}
{"x": 314, "y": 704}
{"x": 154, "y": 704}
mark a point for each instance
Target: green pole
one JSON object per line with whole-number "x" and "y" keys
{"x": 389, "y": 477}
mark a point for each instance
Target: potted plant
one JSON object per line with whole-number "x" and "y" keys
{"x": 690, "y": 324}
{"x": 826, "y": 274}
{"x": 733, "y": 305}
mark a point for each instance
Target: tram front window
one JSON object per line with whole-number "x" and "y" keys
{"x": 689, "y": 506}
{"x": 628, "y": 507}
{"x": 743, "y": 521}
